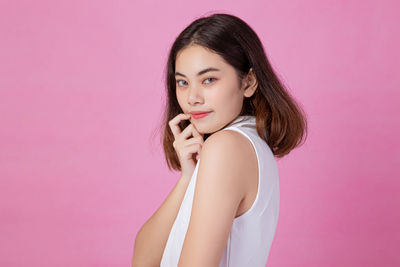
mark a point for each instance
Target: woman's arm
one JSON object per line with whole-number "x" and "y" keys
{"x": 153, "y": 235}
{"x": 221, "y": 184}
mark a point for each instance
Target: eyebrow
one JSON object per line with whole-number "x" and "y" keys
{"x": 200, "y": 72}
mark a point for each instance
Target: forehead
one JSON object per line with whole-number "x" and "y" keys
{"x": 196, "y": 57}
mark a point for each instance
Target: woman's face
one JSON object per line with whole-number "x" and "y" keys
{"x": 206, "y": 82}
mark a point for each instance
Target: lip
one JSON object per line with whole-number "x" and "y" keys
{"x": 199, "y": 114}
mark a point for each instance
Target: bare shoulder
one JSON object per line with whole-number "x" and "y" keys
{"x": 231, "y": 140}
{"x": 220, "y": 189}
{"x": 230, "y": 149}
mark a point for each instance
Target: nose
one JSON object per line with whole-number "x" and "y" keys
{"x": 195, "y": 95}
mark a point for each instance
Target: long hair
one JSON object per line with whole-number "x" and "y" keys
{"x": 280, "y": 121}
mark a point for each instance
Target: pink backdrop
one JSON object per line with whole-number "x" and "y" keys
{"x": 81, "y": 93}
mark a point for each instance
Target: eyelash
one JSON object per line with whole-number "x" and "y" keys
{"x": 204, "y": 80}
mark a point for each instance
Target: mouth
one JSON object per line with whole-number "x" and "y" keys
{"x": 200, "y": 114}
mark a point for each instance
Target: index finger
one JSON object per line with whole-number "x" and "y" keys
{"x": 195, "y": 132}
{"x": 173, "y": 124}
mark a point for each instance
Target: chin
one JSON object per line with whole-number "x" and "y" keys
{"x": 208, "y": 131}
{"x": 202, "y": 130}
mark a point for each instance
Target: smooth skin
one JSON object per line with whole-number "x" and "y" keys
{"x": 227, "y": 178}
{"x": 153, "y": 235}
{"x": 185, "y": 145}
{"x": 217, "y": 91}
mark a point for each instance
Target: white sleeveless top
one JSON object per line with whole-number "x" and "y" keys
{"x": 252, "y": 232}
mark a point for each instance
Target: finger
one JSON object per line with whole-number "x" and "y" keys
{"x": 190, "y": 150}
{"x": 187, "y": 132}
{"x": 196, "y": 133}
{"x": 194, "y": 140}
{"x": 173, "y": 124}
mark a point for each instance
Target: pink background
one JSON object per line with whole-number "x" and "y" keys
{"x": 81, "y": 96}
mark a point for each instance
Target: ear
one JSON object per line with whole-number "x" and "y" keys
{"x": 249, "y": 83}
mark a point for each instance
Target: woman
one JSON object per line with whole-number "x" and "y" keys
{"x": 228, "y": 117}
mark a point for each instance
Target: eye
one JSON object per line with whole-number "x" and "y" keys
{"x": 180, "y": 85}
{"x": 209, "y": 79}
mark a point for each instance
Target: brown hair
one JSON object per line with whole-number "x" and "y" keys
{"x": 280, "y": 120}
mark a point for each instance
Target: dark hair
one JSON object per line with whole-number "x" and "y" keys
{"x": 280, "y": 120}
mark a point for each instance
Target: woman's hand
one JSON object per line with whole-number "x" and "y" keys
{"x": 188, "y": 149}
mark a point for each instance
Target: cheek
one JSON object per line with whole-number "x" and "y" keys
{"x": 225, "y": 93}
{"x": 180, "y": 98}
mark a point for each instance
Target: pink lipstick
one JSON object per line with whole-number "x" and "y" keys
{"x": 199, "y": 114}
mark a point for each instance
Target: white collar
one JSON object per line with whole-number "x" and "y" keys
{"x": 243, "y": 119}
